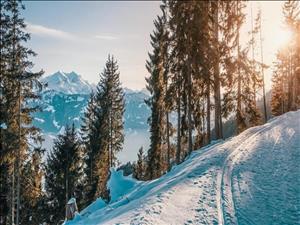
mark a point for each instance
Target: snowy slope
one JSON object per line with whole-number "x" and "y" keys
{"x": 253, "y": 178}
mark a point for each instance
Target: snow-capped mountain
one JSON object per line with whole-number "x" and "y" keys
{"x": 64, "y": 100}
{"x": 68, "y": 83}
{"x": 252, "y": 178}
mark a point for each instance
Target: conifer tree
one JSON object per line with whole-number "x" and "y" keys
{"x": 156, "y": 87}
{"x": 63, "y": 173}
{"x": 17, "y": 89}
{"x": 33, "y": 195}
{"x": 215, "y": 9}
{"x": 279, "y": 97}
{"x": 110, "y": 99}
{"x": 239, "y": 96}
{"x": 286, "y": 78}
{"x": 139, "y": 168}
{"x": 103, "y": 131}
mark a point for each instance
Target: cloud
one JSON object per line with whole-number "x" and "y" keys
{"x": 106, "y": 37}
{"x": 49, "y": 32}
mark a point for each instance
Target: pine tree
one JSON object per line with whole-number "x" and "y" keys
{"x": 89, "y": 146}
{"x": 63, "y": 173}
{"x": 241, "y": 81}
{"x": 17, "y": 89}
{"x": 139, "y": 168}
{"x": 156, "y": 85}
{"x": 278, "y": 94}
{"x": 215, "y": 8}
{"x": 110, "y": 98}
{"x": 179, "y": 69}
{"x": 103, "y": 132}
{"x": 286, "y": 78}
{"x": 33, "y": 194}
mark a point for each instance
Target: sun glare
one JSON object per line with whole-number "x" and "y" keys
{"x": 282, "y": 37}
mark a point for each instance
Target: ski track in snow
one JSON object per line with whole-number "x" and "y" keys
{"x": 252, "y": 178}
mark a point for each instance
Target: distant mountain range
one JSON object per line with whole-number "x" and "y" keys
{"x": 66, "y": 95}
{"x": 64, "y": 99}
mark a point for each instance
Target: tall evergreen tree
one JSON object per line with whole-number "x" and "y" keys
{"x": 32, "y": 198}
{"x": 63, "y": 173}
{"x": 140, "y": 166}
{"x": 17, "y": 89}
{"x": 239, "y": 96}
{"x": 286, "y": 78}
{"x": 156, "y": 84}
{"x": 103, "y": 131}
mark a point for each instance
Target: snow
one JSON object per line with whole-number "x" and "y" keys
{"x": 50, "y": 108}
{"x": 80, "y": 99}
{"x": 39, "y": 120}
{"x": 96, "y": 205}
{"x": 68, "y": 83}
{"x": 55, "y": 123}
{"x": 71, "y": 201}
{"x": 253, "y": 178}
{"x": 62, "y": 130}
{"x": 119, "y": 185}
{"x": 48, "y": 143}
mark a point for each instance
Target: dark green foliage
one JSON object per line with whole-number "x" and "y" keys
{"x": 140, "y": 166}
{"x": 103, "y": 132}
{"x": 33, "y": 195}
{"x": 156, "y": 66}
{"x": 127, "y": 168}
{"x": 18, "y": 87}
{"x": 63, "y": 174}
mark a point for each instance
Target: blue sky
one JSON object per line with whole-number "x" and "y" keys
{"x": 79, "y": 35}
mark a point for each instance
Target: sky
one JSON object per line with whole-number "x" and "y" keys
{"x": 79, "y": 35}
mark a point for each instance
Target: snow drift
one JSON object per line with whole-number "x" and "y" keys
{"x": 253, "y": 178}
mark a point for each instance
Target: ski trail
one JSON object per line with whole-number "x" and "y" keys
{"x": 229, "y": 182}
{"x": 226, "y": 209}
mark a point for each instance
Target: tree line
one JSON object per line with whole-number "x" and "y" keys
{"x": 200, "y": 76}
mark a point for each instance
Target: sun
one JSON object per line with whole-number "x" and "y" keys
{"x": 282, "y": 37}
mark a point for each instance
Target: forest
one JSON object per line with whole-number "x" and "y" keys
{"x": 201, "y": 76}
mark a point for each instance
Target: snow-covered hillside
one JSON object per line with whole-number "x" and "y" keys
{"x": 253, "y": 178}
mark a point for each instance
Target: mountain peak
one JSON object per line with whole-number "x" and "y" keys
{"x": 68, "y": 83}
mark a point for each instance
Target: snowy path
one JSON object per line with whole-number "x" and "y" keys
{"x": 253, "y": 178}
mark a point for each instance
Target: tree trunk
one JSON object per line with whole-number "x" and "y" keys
{"x": 18, "y": 160}
{"x": 262, "y": 72}
{"x": 13, "y": 196}
{"x": 66, "y": 182}
{"x": 168, "y": 130}
{"x": 178, "y": 152}
{"x": 239, "y": 103}
{"x": 168, "y": 142}
{"x": 217, "y": 92}
{"x": 190, "y": 141}
{"x": 208, "y": 112}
